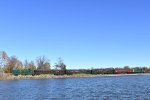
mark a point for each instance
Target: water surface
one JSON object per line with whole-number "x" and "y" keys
{"x": 97, "y": 88}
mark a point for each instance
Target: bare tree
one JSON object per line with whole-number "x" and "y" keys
{"x": 26, "y": 64}
{"x": 13, "y": 63}
{"x": 43, "y": 63}
{"x": 3, "y": 59}
{"x": 29, "y": 65}
{"x": 32, "y": 65}
{"x": 19, "y": 65}
{"x": 60, "y": 64}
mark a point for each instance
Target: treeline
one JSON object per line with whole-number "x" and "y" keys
{"x": 8, "y": 63}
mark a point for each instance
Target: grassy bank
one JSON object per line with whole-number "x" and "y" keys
{"x": 22, "y": 77}
{"x": 19, "y": 77}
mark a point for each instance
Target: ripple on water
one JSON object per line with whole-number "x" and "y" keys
{"x": 98, "y": 88}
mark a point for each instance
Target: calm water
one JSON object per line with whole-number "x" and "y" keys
{"x": 98, "y": 88}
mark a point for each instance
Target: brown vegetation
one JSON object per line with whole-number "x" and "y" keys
{"x": 43, "y": 63}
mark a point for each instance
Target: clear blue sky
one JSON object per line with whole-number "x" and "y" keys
{"x": 85, "y": 33}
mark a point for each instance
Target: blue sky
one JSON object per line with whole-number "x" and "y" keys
{"x": 85, "y": 33}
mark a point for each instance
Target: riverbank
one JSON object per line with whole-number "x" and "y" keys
{"x": 20, "y": 77}
{"x": 23, "y": 77}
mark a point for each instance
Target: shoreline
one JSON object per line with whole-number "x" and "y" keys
{"x": 30, "y": 77}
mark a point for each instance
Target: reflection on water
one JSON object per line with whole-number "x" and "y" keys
{"x": 98, "y": 88}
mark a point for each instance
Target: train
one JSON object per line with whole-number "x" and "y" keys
{"x": 22, "y": 72}
{"x": 129, "y": 71}
{"x": 78, "y": 71}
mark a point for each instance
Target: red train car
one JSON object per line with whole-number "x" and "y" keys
{"x": 123, "y": 71}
